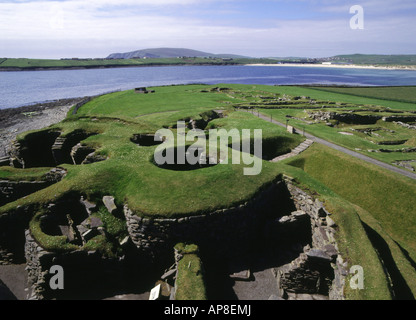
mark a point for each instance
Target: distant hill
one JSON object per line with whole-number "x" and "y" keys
{"x": 169, "y": 53}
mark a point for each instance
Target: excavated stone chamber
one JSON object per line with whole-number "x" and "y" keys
{"x": 177, "y": 159}
{"x": 48, "y": 148}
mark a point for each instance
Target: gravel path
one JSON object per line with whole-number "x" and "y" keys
{"x": 345, "y": 150}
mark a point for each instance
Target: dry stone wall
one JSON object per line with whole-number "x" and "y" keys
{"x": 226, "y": 230}
{"x": 12, "y": 235}
{"x": 13, "y": 190}
{"x": 83, "y": 271}
{"x": 320, "y": 269}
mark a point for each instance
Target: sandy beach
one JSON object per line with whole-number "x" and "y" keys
{"x": 348, "y": 66}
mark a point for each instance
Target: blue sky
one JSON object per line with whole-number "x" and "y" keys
{"x": 265, "y": 28}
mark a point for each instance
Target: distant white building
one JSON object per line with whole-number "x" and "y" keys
{"x": 327, "y": 63}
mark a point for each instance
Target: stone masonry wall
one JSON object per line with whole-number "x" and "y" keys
{"x": 225, "y": 230}
{"x": 13, "y": 190}
{"x": 12, "y": 235}
{"x": 83, "y": 271}
{"x": 320, "y": 269}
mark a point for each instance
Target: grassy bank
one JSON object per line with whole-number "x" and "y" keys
{"x": 130, "y": 174}
{"x": 382, "y": 200}
{"x": 374, "y": 209}
{"x": 400, "y": 94}
{"x": 352, "y": 239}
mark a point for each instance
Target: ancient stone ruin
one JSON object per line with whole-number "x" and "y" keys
{"x": 49, "y": 148}
{"x": 282, "y": 218}
{"x": 13, "y": 190}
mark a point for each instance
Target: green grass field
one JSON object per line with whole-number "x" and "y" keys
{"x": 121, "y": 115}
{"x": 361, "y": 197}
{"x": 401, "y": 94}
{"x": 350, "y": 135}
{"x": 359, "y": 59}
{"x": 25, "y": 63}
{"x": 383, "y": 60}
{"x": 384, "y": 200}
{"x": 326, "y": 94}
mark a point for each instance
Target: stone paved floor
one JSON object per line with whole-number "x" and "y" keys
{"x": 262, "y": 286}
{"x": 14, "y": 278}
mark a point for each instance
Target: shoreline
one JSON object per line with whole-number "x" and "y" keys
{"x": 14, "y": 121}
{"x": 18, "y": 69}
{"x": 349, "y": 66}
{"x": 306, "y": 65}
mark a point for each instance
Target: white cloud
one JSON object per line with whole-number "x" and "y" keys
{"x": 90, "y": 28}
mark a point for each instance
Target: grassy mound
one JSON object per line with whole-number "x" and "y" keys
{"x": 372, "y": 208}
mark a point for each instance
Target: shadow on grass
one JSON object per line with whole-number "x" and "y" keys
{"x": 399, "y": 289}
{"x": 406, "y": 254}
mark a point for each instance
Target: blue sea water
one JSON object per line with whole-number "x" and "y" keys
{"x": 28, "y": 87}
